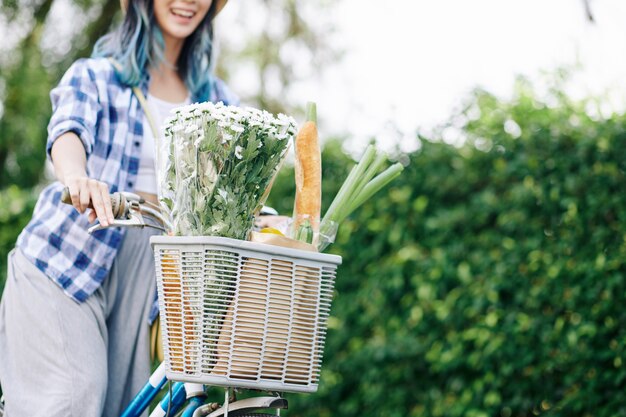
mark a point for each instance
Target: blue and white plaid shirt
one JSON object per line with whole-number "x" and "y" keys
{"x": 90, "y": 101}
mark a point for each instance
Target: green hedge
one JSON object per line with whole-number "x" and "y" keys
{"x": 16, "y": 208}
{"x": 489, "y": 281}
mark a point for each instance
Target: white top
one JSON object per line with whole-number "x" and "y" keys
{"x": 160, "y": 111}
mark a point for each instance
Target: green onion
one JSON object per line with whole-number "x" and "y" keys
{"x": 350, "y": 186}
{"x": 362, "y": 183}
{"x": 305, "y": 232}
{"x": 376, "y": 185}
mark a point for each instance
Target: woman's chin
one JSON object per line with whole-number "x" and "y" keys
{"x": 178, "y": 32}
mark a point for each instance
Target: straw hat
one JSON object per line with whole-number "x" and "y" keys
{"x": 219, "y": 5}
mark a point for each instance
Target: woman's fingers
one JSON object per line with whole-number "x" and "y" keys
{"x": 74, "y": 187}
{"x": 89, "y": 193}
{"x": 84, "y": 195}
{"x": 106, "y": 197}
{"x": 98, "y": 201}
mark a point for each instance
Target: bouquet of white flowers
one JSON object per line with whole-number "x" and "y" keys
{"x": 215, "y": 165}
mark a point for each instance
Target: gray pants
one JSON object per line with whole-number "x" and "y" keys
{"x": 61, "y": 358}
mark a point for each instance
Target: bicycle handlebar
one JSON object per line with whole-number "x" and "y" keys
{"x": 128, "y": 210}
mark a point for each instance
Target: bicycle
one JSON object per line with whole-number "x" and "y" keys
{"x": 197, "y": 352}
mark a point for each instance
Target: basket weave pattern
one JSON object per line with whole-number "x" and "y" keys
{"x": 246, "y": 317}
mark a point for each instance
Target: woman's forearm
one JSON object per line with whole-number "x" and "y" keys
{"x": 68, "y": 157}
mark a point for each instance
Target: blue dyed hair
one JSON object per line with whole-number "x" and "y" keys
{"x": 137, "y": 44}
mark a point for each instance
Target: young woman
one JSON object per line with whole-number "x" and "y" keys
{"x": 74, "y": 317}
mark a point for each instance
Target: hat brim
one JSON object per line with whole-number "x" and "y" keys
{"x": 219, "y": 5}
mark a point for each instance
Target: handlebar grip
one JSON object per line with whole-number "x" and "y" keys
{"x": 118, "y": 202}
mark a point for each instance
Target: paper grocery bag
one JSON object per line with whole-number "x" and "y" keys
{"x": 172, "y": 296}
{"x": 271, "y": 300}
{"x": 242, "y": 330}
{"x": 279, "y": 240}
{"x": 182, "y": 314}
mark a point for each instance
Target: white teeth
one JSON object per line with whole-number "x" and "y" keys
{"x": 183, "y": 13}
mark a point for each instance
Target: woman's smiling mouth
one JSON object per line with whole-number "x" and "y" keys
{"x": 186, "y": 14}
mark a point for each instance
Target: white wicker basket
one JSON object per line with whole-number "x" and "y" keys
{"x": 244, "y": 314}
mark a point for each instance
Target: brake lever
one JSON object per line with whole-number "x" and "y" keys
{"x": 135, "y": 219}
{"x": 132, "y": 197}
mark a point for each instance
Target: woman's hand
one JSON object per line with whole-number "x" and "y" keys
{"x": 89, "y": 193}
{"x": 69, "y": 160}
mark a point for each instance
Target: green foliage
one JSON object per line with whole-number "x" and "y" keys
{"x": 16, "y": 208}
{"x": 23, "y": 125}
{"x": 488, "y": 280}
{"x": 27, "y": 74}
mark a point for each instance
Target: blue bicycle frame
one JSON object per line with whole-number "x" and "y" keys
{"x": 171, "y": 402}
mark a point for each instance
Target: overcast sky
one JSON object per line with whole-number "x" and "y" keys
{"x": 408, "y": 63}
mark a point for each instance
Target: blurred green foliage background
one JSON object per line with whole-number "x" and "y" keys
{"x": 488, "y": 280}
